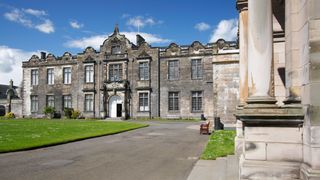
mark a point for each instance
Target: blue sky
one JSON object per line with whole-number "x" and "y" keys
{"x": 28, "y": 27}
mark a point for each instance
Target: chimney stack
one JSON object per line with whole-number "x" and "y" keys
{"x": 43, "y": 55}
{"x": 140, "y": 40}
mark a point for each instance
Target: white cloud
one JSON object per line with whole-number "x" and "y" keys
{"x": 17, "y": 16}
{"x": 35, "y": 12}
{"x": 46, "y": 27}
{"x": 11, "y": 64}
{"x": 226, "y": 29}
{"x": 31, "y": 18}
{"x": 96, "y": 41}
{"x": 75, "y": 24}
{"x": 202, "y": 26}
{"x": 140, "y": 21}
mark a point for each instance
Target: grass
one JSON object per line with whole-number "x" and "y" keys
{"x": 23, "y": 134}
{"x": 220, "y": 144}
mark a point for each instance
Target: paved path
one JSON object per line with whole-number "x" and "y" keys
{"x": 224, "y": 168}
{"x": 162, "y": 151}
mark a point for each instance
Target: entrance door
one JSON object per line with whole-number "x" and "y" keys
{"x": 114, "y": 107}
{"x": 119, "y": 110}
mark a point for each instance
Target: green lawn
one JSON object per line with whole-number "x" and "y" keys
{"x": 221, "y": 143}
{"x": 28, "y": 134}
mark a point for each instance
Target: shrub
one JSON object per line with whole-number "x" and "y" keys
{"x": 68, "y": 112}
{"x": 9, "y": 115}
{"x": 49, "y": 111}
{"x": 75, "y": 114}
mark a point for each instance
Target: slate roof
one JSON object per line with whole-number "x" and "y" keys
{"x": 3, "y": 91}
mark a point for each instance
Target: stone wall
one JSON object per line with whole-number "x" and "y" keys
{"x": 184, "y": 86}
{"x": 226, "y": 86}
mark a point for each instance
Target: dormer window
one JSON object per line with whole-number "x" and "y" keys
{"x": 116, "y": 49}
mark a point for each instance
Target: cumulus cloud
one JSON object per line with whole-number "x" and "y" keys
{"x": 96, "y": 41}
{"x": 18, "y": 16}
{"x": 45, "y": 27}
{"x": 75, "y": 24}
{"x": 140, "y": 21}
{"x": 35, "y": 12}
{"x": 31, "y": 18}
{"x": 11, "y": 62}
{"x": 226, "y": 29}
{"x": 202, "y": 26}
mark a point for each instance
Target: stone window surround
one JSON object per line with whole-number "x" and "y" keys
{"x": 84, "y": 102}
{"x": 112, "y": 63}
{"x": 144, "y": 61}
{"x": 47, "y": 100}
{"x": 63, "y": 100}
{"x": 174, "y": 110}
{"x": 35, "y": 100}
{"x": 168, "y": 69}
{"x": 85, "y": 73}
{"x": 53, "y": 77}
{"x": 63, "y": 68}
{"x": 191, "y": 97}
{"x": 138, "y": 93}
{"x": 37, "y": 81}
{"x": 196, "y": 58}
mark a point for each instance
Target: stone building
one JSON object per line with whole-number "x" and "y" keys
{"x": 10, "y": 100}
{"x": 135, "y": 80}
{"x": 278, "y": 127}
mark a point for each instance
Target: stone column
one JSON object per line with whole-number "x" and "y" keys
{"x": 242, "y": 7}
{"x": 260, "y": 51}
{"x": 293, "y": 82}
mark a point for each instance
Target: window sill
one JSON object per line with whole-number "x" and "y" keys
{"x": 143, "y": 111}
{"x": 89, "y": 82}
{"x": 67, "y": 84}
{"x": 194, "y": 111}
{"x": 173, "y": 111}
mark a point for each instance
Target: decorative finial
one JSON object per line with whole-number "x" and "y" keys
{"x": 11, "y": 83}
{"x": 116, "y": 29}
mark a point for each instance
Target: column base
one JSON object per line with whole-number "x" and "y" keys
{"x": 251, "y": 169}
{"x": 261, "y": 100}
{"x": 292, "y": 100}
{"x": 307, "y": 173}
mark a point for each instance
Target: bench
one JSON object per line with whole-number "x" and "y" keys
{"x": 204, "y": 127}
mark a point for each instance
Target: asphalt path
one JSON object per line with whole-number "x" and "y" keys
{"x": 161, "y": 151}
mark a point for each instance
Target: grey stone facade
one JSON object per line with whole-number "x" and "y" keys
{"x": 140, "y": 89}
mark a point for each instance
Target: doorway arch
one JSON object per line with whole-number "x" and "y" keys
{"x": 115, "y": 106}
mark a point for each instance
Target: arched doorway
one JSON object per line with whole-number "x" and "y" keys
{"x": 2, "y": 110}
{"x": 115, "y": 106}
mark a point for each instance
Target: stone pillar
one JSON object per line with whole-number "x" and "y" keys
{"x": 292, "y": 63}
{"x": 272, "y": 135}
{"x": 260, "y": 51}
{"x": 242, "y": 7}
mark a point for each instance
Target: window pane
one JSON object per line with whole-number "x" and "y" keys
{"x": 196, "y": 69}
{"x": 88, "y": 102}
{"x": 67, "y": 75}
{"x": 34, "y": 103}
{"x": 50, "y": 76}
{"x": 115, "y": 72}
{"x": 173, "y": 101}
{"x": 197, "y": 101}
{"x": 89, "y": 74}
{"x": 34, "y": 77}
{"x": 143, "y": 102}
{"x": 116, "y": 49}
